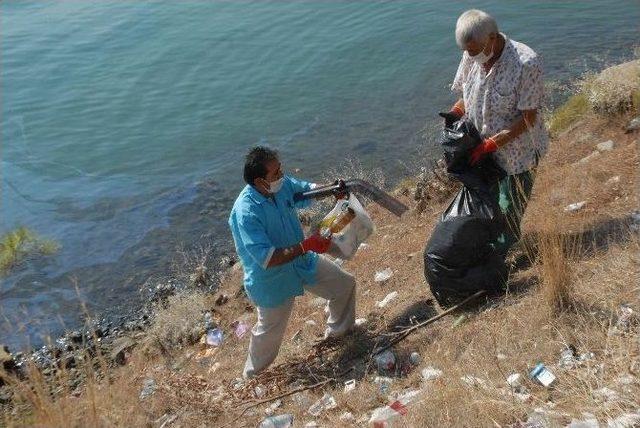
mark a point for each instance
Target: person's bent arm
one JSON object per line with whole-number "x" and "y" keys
{"x": 520, "y": 126}
{"x": 316, "y": 243}
{"x": 284, "y": 255}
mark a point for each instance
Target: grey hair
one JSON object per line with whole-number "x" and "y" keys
{"x": 474, "y": 25}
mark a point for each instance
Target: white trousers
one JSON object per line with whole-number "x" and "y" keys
{"x": 332, "y": 283}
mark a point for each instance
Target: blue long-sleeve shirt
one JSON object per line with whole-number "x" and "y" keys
{"x": 261, "y": 224}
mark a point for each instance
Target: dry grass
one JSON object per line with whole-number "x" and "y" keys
{"x": 179, "y": 321}
{"x": 579, "y": 268}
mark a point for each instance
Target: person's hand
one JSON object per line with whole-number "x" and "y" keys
{"x": 487, "y": 146}
{"x": 451, "y": 116}
{"x": 342, "y": 192}
{"x": 316, "y": 243}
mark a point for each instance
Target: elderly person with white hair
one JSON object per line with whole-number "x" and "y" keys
{"x": 501, "y": 87}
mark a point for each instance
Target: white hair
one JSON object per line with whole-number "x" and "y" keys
{"x": 474, "y": 25}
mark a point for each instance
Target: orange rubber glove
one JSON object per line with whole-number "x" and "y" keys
{"x": 316, "y": 243}
{"x": 487, "y": 146}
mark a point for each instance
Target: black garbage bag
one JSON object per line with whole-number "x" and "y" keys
{"x": 460, "y": 258}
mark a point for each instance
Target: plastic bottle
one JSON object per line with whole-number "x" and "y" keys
{"x": 339, "y": 223}
{"x": 280, "y": 421}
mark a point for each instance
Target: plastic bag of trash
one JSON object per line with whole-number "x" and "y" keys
{"x": 460, "y": 257}
{"x": 345, "y": 242}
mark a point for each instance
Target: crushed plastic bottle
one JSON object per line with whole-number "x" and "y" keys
{"x": 386, "y": 361}
{"x": 214, "y": 337}
{"x": 279, "y": 421}
{"x": 327, "y": 402}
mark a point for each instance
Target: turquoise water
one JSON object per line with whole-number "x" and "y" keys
{"x": 124, "y": 123}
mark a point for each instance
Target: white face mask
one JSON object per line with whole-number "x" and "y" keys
{"x": 275, "y": 186}
{"x": 482, "y": 57}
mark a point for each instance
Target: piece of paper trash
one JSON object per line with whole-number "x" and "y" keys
{"x": 388, "y": 298}
{"x": 383, "y": 275}
{"x": 575, "y": 206}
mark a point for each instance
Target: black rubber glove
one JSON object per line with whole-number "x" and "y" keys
{"x": 449, "y": 118}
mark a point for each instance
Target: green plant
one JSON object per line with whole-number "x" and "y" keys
{"x": 576, "y": 106}
{"x": 21, "y": 243}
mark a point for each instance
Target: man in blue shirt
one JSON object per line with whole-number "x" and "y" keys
{"x": 279, "y": 263}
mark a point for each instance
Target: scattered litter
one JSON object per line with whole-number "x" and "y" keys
{"x": 208, "y": 321}
{"x": 237, "y": 383}
{"x": 310, "y": 323}
{"x": 590, "y": 157}
{"x": 459, "y": 321}
{"x": 363, "y": 246}
{"x": 589, "y": 421}
{"x": 626, "y": 379}
{"x": 280, "y": 421}
{"x": 388, "y": 298}
{"x": 575, "y": 206}
{"x": 501, "y": 356}
{"x": 383, "y": 416}
{"x": 213, "y": 368}
{"x": 568, "y": 358}
{"x": 311, "y": 424}
{"x": 148, "y": 388}
{"x": 384, "y": 384}
{"x": 624, "y": 318}
{"x": 383, "y": 275}
{"x": 349, "y": 386}
{"x": 272, "y": 408}
{"x": 613, "y": 180}
{"x": 385, "y": 361}
{"x": 605, "y": 146}
{"x": 522, "y": 396}
{"x": 360, "y": 321}
{"x": 415, "y": 358}
{"x": 327, "y": 402}
{"x": 628, "y": 420}
{"x": 260, "y": 391}
{"x": 605, "y": 394}
{"x": 411, "y": 255}
{"x": 297, "y": 335}
{"x": 514, "y": 380}
{"x": 240, "y": 328}
{"x": 214, "y": 337}
{"x": 542, "y": 374}
{"x": 431, "y": 373}
{"x": 347, "y": 417}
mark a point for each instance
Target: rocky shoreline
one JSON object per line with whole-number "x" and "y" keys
{"x": 110, "y": 338}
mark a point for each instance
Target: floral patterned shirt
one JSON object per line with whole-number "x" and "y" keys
{"x": 494, "y": 101}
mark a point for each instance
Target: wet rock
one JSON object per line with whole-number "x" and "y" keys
{"x": 7, "y": 361}
{"x": 119, "y": 348}
{"x": 222, "y": 299}
{"x": 76, "y": 336}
